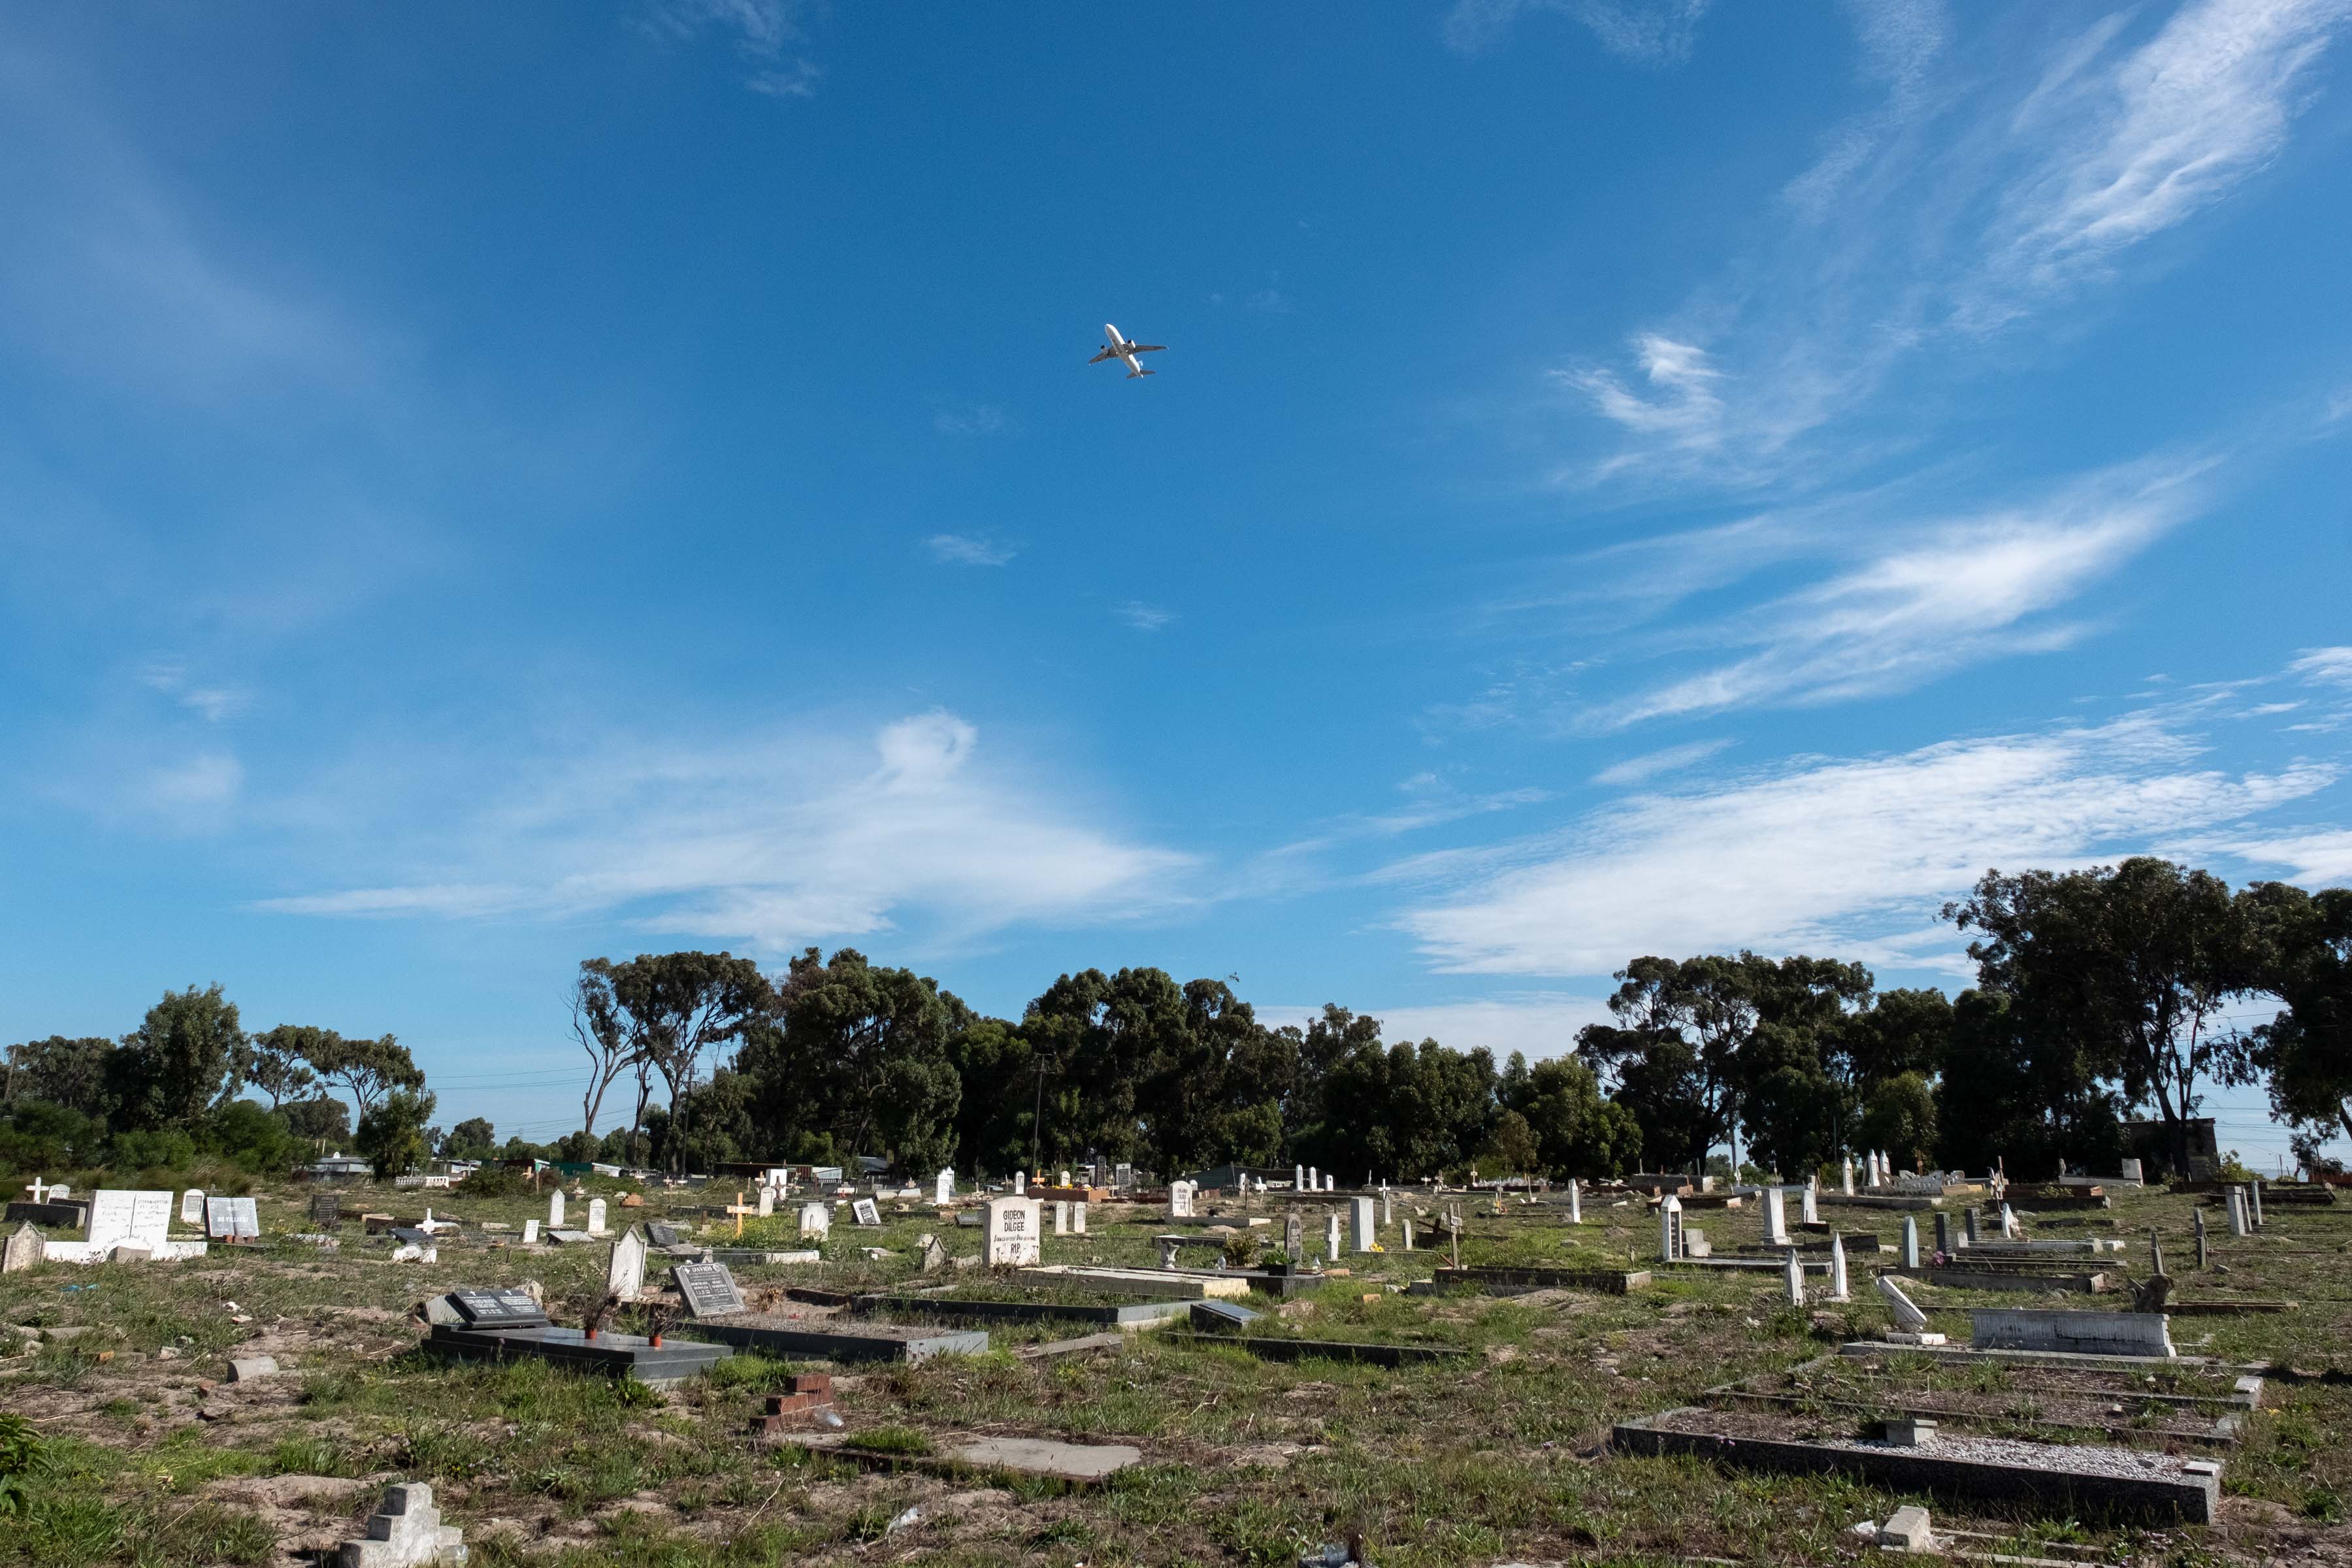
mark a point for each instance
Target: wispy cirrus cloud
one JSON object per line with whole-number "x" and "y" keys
{"x": 2324, "y": 666}
{"x": 1651, "y": 765}
{"x": 1982, "y": 191}
{"x": 1852, "y": 854}
{"x": 776, "y": 843}
{"x": 962, "y": 550}
{"x": 1647, "y": 32}
{"x": 764, "y": 32}
{"x": 1144, "y": 618}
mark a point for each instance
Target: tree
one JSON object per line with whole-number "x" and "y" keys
{"x": 391, "y": 1131}
{"x": 611, "y": 1037}
{"x": 2018, "y": 1094}
{"x": 182, "y": 1060}
{"x": 2139, "y": 961}
{"x": 278, "y": 1063}
{"x": 1577, "y": 1133}
{"x": 370, "y": 1071}
{"x": 2306, "y": 1051}
{"x": 997, "y": 1070}
{"x": 1413, "y": 1110}
{"x": 856, "y": 1059}
{"x": 319, "y": 1122}
{"x": 673, "y": 1007}
{"x": 70, "y": 1073}
{"x": 472, "y": 1139}
{"x": 1900, "y": 1117}
{"x": 1510, "y": 1148}
{"x": 1674, "y": 1052}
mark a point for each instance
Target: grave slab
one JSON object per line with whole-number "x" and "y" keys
{"x": 629, "y": 1356}
{"x": 821, "y": 1340}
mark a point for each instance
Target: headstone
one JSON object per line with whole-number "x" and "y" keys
{"x": 767, "y": 1200}
{"x": 1837, "y": 1267}
{"x": 1793, "y": 1275}
{"x": 1331, "y": 1184}
{"x": 1969, "y": 1218}
{"x": 1294, "y": 1236}
{"x": 1010, "y": 1235}
{"x": 943, "y": 1187}
{"x": 2254, "y": 1202}
{"x": 405, "y": 1532}
{"x": 327, "y": 1209}
{"x": 1298, "y": 1178}
{"x": 1670, "y": 1229}
{"x": 1387, "y": 1208}
{"x": 192, "y": 1206}
{"x": 1332, "y": 1236}
{"x": 1180, "y": 1200}
{"x": 2130, "y": 1170}
{"x": 625, "y": 1267}
{"x": 531, "y": 1232}
{"x": 1060, "y": 1218}
{"x": 817, "y": 1220}
{"x": 1812, "y": 1212}
{"x": 1575, "y": 1204}
{"x": 1361, "y": 1237}
{"x": 1020, "y": 1183}
{"x": 1846, "y": 1179}
{"x": 2237, "y": 1199}
{"x": 867, "y": 1212}
{"x": 232, "y": 1218}
{"x": 2008, "y": 1223}
{"x": 1064, "y": 1180}
{"x": 1906, "y": 1529}
{"x": 660, "y": 1235}
{"x": 555, "y": 1209}
{"x": 709, "y": 1289}
{"x": 1079, "y": 1217}
{"x": 2204, "y": 1258}
{"x": 1943, "y": 1232}
{"x": 1775, "y": 1218}
{"x": 1910, "y": 1241}
{"x": 2071, "y": 1330}
{"x": 138, "y": 1218}
{"x": 1908, "y": 1316}
{"x": 1407, "y": 1233}
{"x": 596, "y": 1216}
{"x": 499, "y": 1308}
{"x": 2154, "y": 1253}
{"x": 25, "y": 1247}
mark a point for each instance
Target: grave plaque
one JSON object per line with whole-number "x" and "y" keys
{"x": 662, "y": 1235}
{"x": 232, "y": 1218}
{"x": 500, "y": 1309}
{"x": 192, "y": 1206}
{"x": 118, "y": 1217}
{"x": 327, "y": 1209}
{"x": 867, "y": 1213}
{"x": 709, "y": 1289}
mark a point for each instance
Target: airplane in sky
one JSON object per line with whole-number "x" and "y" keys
{"x": 1120, "y": 348}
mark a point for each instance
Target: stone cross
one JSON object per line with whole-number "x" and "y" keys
{"x": 40, "y": 1193}
{"x": 1837, "y": 1267}
{"x": 1775, "y": 1218}
{"x": 1910, "y": 1241}
{"x": 405, "y": 1532}
{"x": 738, "y": 1208}
{"x": 1793, "y": 1272}
{"x": 1575, "y": 1204}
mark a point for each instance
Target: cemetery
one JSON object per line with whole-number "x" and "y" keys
{"x": 703, "y": 1384}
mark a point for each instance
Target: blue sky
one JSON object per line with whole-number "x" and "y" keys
{"x": 485, "y": 487}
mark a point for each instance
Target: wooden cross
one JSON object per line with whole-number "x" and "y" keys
{"x": 738, "y": 1208}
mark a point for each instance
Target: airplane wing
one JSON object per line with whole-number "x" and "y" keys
{"x": 1146, "y": 348}
{"x": 1107, "y": 353}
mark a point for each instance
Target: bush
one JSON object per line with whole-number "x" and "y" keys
{"x": 495, "y": 1182}
{"x": 258, "y": 1140}
{"x": 165, "y": 1149}
{"x": 20, "y": 1460}
{"x": 39, "y": 1137}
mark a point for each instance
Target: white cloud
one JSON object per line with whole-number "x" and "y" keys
{"x": 978, "y": 419}
{"x": 762, "y": 31}
{"x": 212, "y": 703}
{"x": 1684, "y": 409}
{"x": 1847, "y": 856}
{"x": 1538, "y": 1022}
{"x": 2324, "y": 666}
{"x": 1144, "y": 618}
{"x": 1648, "y": 32}
{"x": 776, "y": 845}
{"x": 962, "y": 550}
{"x": 1650, "y": 764}
{"x": 2321, "y": 858}
{"x": 1936, "y": 599}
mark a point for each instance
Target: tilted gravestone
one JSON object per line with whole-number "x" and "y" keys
{"x": 25, "y": 1247}
{"x": 624, "y": 1266}
{"x": 867, "y": 1212}
{"x": 709, "y": 1289}
{"x": 662, "y": 1235}
{"x": 499, "y": 1308}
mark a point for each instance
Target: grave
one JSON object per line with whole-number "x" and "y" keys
{"x": 1514, "y": 1281}
{"x": 596, "y": 1217}
{"x": 53, "y": 1215}
{"x": 1180, "y": 1200}
{"x": 327, "y": 1210}
{"x": 825, "y": 1339}
{"x": 192, "y": 1206}
{"x": 232, "y": 1219}
{"x": 867, "y": 1212}
{"x": 816, "y": 1221}
{"x": 2071, "y": 1333}
{"x": 625, "y": 1267}
{"x": 943, "y": 1187}
{"x": 531, "y": 1233}
{"x": 1125, "y": 1314}
{"x": 508, "y": 1325}
{"x": 1361, "y": 1234}
{"x": 25, "y": 1247}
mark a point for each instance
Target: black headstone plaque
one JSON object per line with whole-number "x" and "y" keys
{"x": 500, "y": 1309}
{"x": 709, "y": 1289}
{"x": 327, "y": 1209}
{"x": 662, "y": 1235}
{"x": 412, "y": 1236}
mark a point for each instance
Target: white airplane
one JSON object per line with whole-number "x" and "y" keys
{"x": 1120, "y": 348}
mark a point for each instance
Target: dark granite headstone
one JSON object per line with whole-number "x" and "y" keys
{"x": 500, "y": 1309}
{"x": 327, "y": 1209}
{"x": 411, "y": 1236}
{"x": 662, "y": 1235}
{"x": 54, "y": 1216}
{"x": 709, "y": 1289}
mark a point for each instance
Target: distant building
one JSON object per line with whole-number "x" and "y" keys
{"x": 335, "y": 1167}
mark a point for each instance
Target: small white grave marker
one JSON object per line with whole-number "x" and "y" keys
{"x": 867, "y": 1212}
{"x": 1009, "y": 1234}
{"x": 1360, "y": 1238}
{"x": 596, "y": 1216}
{"x": 816, "y": 1221}
{"x": 555, "y": 1209}
{"x": 531, "y": 1232}
{"x": 1180, "y": 1200}
{"x": 192, "y": 1206}
{"x": 943, "y": 1191}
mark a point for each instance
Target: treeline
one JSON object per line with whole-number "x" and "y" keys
{"x": 2098, "y": 993}
{"x": 169, "y": 1091}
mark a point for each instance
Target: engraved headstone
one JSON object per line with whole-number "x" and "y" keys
{"x": 118, "y": 1217}
{"x": 1060, "y": 1218}
{"x": 500, "y": 1309}
{"x": 327, "y": 1209}
{"x": 943, "y": 1187}
{"x": 232, "y": 1218}
{"x": 709, "y": 1289}
{"x": 531, "y": 1232}
{"x": 767, "y": 1200}
{"x": 1775, "y": 1217}
{"x": 595, "y": 1217}
{"x": 1010, "y": 1236}
{"x": 817, "y": 1220}
{"x": 624, "y": 1266}
{"x": 555, "y": 1209}
{"x": 25, "y": 1247}
{"x": 867, "y": 1212}
{"x": 192, "y": 1206}
{"x": 1180, "y": 1200}
{"x": 1293, "y": 1236}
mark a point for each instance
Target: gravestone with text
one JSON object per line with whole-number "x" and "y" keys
{"x": 867, "y": 1212}
{"x": 817, "y": 1220}
{"x": 232, "y": 1219}
{"x": 118, "y": 1217}
{"x": 709, "y": 1289}
{"x": 192, "y": 1206}
{"x": 1010, "y": 1232}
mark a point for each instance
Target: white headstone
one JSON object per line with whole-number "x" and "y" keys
{"x": 1061, "y": 1216}
{"x": 767, "y": 1200}
{"x": 26, "y": 1247}
{"x": 1332, "y": 1236}
{"x": 531, "y": 1233}
{"x": 1298, "y": 1180}
{"x": 943, "y": 1187}
{"x": 1837, "y": 1267}
{"x": 1314, "y": 1182}
{"x": 2239, "y": 1224}
{"x": 2008, "y": 1223}
{"x": 1811, "y": 1211}
{"x": 1908, "y": 1316}
{"x": 1020, "y": 1182}
{"x": 1407, "y": 1236}
{"x": 1010, "y": 1230}
{"x": 120, "y": 1217}
{"x": 555, "y": 1209}
{"x": 1361, "y": 1238}
{"x": 595, "y": 1217}
{"x": 1180, "y": 1200}
{"x": 192, "y": 1206}
{"x": 1847, "y": 1178}
{"x": 2130, "y": 1170}
{"x": 1910, "y": 1241}
{"x": 1331, "y": 1184}
{"x": 1575, "y": 1202}
{"x": 1079, "y": 1217}
{"x": 1793, "y": 1272}
{"x": 1387, "y": 1208}
{"x": 817, "y": 1220}
{"x": 624, "y": 1266}
{"x": 1064, "y": 1180}
{"x": 1775, "y": 1218}
{"x": 1669, "y": 1227}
